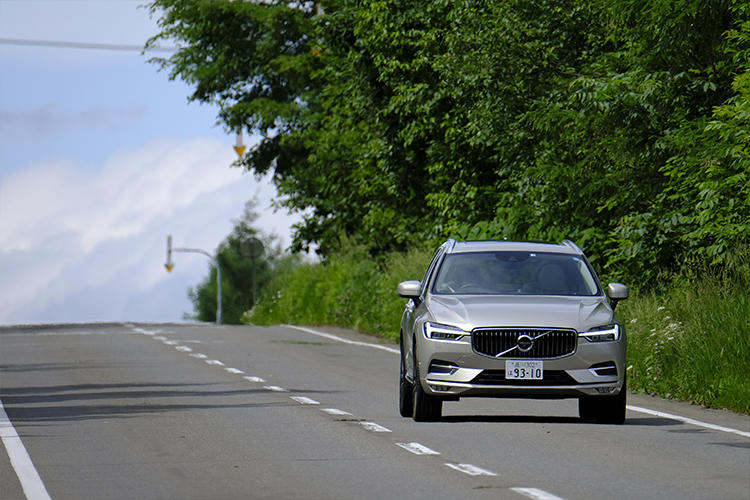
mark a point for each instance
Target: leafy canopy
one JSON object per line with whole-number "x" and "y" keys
{"x": 623, "y": 125}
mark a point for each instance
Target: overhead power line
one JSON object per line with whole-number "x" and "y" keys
{"x": 81, "y": 45}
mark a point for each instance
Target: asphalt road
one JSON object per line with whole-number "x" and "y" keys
{"x": 203, "y": 412}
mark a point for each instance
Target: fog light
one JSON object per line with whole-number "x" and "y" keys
{"x": 440, "y": 388}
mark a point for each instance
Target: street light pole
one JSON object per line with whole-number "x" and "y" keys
{"x": 214, "y": 260}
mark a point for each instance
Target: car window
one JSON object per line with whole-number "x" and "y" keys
{"x": 430, "y": 269}
{"x": 515, "y": 273}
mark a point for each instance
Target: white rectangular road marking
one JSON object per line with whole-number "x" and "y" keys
{"x": 170, "y": 342}
{"x": 183, "y": 348}
{"x": 303, "y": 400}
{"x": 159, "y": 337}
{"x": 143, "y": 331}
{"x": 335, "y": 411}
{"x": 236, "y": 371}
{"x": 373, "y": 427}
{"x": 214, "y": 362}
{"x": 469, "y": 469}
{"x": 536, "y": 494}
{"x": 198, "y": 355}
{"x": 254, "y": 379}
{"x": 32, "y": 484}
{"x": 687, "y": 420}
{"x": 417, "y": 449}
{"x": 275, "y": 388}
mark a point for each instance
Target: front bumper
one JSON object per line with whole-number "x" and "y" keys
{"x": 452, "y": 369}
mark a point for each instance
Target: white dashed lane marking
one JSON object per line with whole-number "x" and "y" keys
{"x": 373, "y": 427}
{"x": 536, "y": 494}
{"x": 413, "y": 447}
{"x": 470, "y": 469}
{"x": 275, "y": 388}
{"x": 335, "y": 411}
{"x": 417, "y": 449}
{"x": 305, "y": 401}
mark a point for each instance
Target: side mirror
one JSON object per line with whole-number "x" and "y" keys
{"x": 408, "y": 289}
{"x": 616, "y": 293}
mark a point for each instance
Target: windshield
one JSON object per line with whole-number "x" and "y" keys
{"x": 514, "y": 273}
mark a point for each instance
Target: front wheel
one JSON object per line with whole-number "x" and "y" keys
{"x": 405, "y": 389}
{"x": 425, "y": 408}
{"x": 604, "y": 409}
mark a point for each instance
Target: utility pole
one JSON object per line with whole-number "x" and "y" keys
{"x": 214, "y": 260}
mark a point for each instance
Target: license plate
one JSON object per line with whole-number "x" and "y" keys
{"x": 524, "y": 370}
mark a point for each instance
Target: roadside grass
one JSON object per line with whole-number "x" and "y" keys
{"x": 692, "y": 342}
{"x": 689, "y": 341}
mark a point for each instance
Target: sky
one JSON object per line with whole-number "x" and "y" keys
{"x": 101, "y": 157}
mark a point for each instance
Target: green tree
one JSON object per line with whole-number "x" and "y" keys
{"x": 619, "y": 124}
{"x": 236, "y": 272}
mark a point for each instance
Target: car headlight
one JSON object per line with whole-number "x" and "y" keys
{"x": 606, "y": 333}
{"x": 436, "y": 331}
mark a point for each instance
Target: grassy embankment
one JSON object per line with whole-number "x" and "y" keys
{"x": 689, "y": 342}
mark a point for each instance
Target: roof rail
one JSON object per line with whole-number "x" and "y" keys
{"x": 572, "y": 245}
{"x": 450, "y": 244}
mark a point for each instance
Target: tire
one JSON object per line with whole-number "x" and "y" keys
{"x": 405, "y": 390}
{"x": 425, "y": 408}
{"x": 604, "y": 409}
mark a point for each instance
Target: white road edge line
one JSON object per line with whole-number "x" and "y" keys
{"x": 418, "y": 449}
{"x": 470, "y": 469}
{"x": 32, "y": 484}
{"x": 687, "y": 420}
{"x": 536, "y": 494}
{"x": 343, "y": 340}
{"x": 633, "y": 408}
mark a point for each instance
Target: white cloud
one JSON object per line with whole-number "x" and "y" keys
{"x": 80, "y": 244}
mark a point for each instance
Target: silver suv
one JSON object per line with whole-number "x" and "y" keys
{"x": 511, "y": 319}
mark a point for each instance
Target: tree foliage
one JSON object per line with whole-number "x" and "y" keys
{"x": 623, "y": 125}
{"x": 237, "y": 290}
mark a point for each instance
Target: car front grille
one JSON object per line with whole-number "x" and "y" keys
{"x": 503, "y": 342}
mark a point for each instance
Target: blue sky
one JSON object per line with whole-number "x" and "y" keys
{"x": 101, "y": 156}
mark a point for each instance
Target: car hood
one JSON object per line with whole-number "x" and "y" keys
{"x": 475, "y": 311}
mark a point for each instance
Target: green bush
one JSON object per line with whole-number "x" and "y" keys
{"x": 351, "y": 289}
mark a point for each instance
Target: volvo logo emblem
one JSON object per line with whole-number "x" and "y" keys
{"x": 525, "y": 343}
